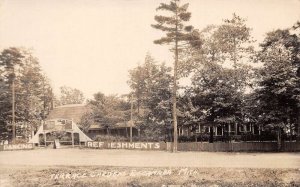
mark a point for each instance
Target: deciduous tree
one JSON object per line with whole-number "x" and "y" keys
{"x": 70, "y": 95}
{"x": 278, "y": 92}
{"x": 151, "y": 88}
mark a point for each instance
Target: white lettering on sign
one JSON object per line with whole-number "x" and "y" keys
{"x": 124, "y": 145}
{"x": 17, "y": 147}
{"x": 131, "y": 145}
{"x": 112, "y": 173}
{"x": 187, "y": 171}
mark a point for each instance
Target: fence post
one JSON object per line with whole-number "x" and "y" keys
{"x": 169, "y": 146}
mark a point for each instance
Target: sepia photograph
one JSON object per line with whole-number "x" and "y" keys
{"x": 149, "y": 93}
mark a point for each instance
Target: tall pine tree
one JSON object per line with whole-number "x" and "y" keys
{"x": 177, "y": 35}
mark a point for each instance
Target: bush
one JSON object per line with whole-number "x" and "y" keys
{"x": 109, "y": 138}
{"x": 205, "y": 138}
{"x": 264, "y": 136}
{"x": 194, "y": 138}
{"x": 147, "y": 139}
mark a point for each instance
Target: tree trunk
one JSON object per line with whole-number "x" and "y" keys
{"x": 298, "y": 127}
{"x": 291, "y": 132}
{"x": 279, "y": 145}
{"x": 131, "y": 117}
{"x": 13, "y": 112}
{"x": 211, "y": 134}
{"x": 107, "y": 131}
{"x": 174, "y": 92}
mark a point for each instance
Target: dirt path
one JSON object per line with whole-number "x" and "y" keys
{"x": 90, "y": 157}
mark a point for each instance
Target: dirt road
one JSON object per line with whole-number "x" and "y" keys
{"x": 91, "y": 167}
{"x": 131, "y": 158}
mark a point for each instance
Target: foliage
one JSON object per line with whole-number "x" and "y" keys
{"x": 278, "y": 94}
{"x": 229, "y": 44}
{"x": 108, "y": 138}
{"x": 109, "y": 110}
{"x": 178, "y": 35}
{"x": 214, "y": 95}
{"x": 86, "y": 121}
{"x": 150, "y": 84}
{"x": 220, "y": 77}
{"x": 173, "y": 24}
{"x": 70, "y": 96}
{"x": 234, "y": 40}
{"x": 33, "y": 93}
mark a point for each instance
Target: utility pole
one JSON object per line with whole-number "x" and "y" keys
{"x": 13, "y": 111}
{"x": 131, "y": 117}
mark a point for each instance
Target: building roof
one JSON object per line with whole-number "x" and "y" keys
{"x": 124, "y": 124}
{"x": 96, "y": 126}
{"x": 75, "y": 112}
{"x": 72, "y": 112}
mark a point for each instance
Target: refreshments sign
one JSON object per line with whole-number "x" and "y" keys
{"x": 125, "y": 145}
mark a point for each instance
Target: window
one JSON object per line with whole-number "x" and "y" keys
{"x": 49, "y": 125}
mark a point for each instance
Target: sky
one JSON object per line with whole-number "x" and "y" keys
{"x": 91, "y": 44}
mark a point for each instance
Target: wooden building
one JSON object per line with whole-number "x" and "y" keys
{"x": 75, "y": 113}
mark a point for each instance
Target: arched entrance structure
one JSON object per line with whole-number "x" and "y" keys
{"x": 59, "y": 127}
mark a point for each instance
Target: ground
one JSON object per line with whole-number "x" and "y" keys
{"x": 91, "y": 167}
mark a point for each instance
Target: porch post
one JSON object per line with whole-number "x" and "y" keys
{"x": 126, "y": 132}
{"x": 139, "y": 133}
{"x": 45, "y": 139}
{"x": 72, "y": 134}
{"x": 235, "y": 128}
{"x": 222, "y": 130}
{"x": 39, "y": 141}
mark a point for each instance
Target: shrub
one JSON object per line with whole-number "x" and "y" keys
{"x": 109, "y": 138}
